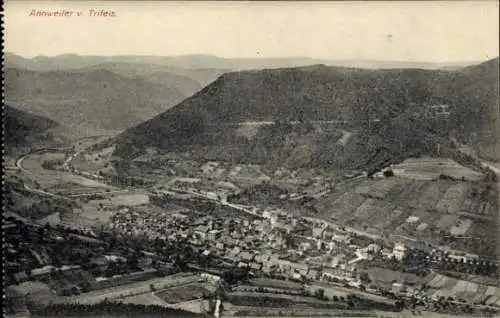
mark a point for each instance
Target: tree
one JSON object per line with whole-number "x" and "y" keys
{"x": 319, "y": 293}
{"x": 133, "y": 261}
{"x": 365, "y": 278}
{"x": 388, "y": 173}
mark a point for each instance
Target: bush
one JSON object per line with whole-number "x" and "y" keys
{"x": 388, "y": 173}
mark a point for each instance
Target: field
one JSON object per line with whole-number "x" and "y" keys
{"x": 275, "y": 283}
{"x": 428, "y": 196}
{"x": 447, "y": 221}
{"x": 130, "y": 199}
{"x": 58, "y": 180}
{"x": 461, "y": 227}
{"x": 386, "y": 276}
{"x": 182, "y": 293}
{"x": 462, "y": 208}
{"x": 89, "y": 215}
{"x": 432, "y": 168}
{"x": 379, "y": 189}
{"x": 196, "y": 306}
{"x": 91, "y": 161}
{"x": 341, "y": 208}
{"x": 452, "y": 199}
{"x": 374, "y": 213}
{"x": 144, "y": 299}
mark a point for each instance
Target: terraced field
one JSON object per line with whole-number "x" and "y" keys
{"x": 461, "y": 289}
{"x": 432, "y": 168}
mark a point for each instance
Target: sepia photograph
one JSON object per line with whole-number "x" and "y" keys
{"x": 251, "y": 159}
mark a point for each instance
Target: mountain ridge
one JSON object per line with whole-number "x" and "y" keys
{"x": 100, "y": 98}
{"x": 315, "y": 93}
{"x": 211, "y": 61}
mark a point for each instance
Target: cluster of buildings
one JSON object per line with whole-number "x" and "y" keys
{"x": 275, "y": 244}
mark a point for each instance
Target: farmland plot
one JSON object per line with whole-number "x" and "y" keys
{"x": 382, "y": 188}
{"x": 447, "y": 221}
{"x": 402, "y": 188}
{"x": 345, "y": 205}
{"x": 144, "y": 299}
{"x": 432, "y": 168}
{"x": 375, "y": 213}
{"x": 131, "y": 199}
{"x": 461, "y": 227}
{"x": 365, "y": 209}
{"x": 427, "y": 199}
{"x": 275, "y": 283}
{"x": 453, "y": 198}
{"x": 470, "y": 205}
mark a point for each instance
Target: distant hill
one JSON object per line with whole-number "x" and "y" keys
{"x": 98, "y": 98}
{"x": 316, "y": 93}
{"x": 22, "y": 128}
{"x": 163, "y": 75}
{"x": 205, "y": 68}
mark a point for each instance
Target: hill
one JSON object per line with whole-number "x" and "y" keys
{"x": 22, "y": 128}
{"x": 98, "y": 99}
{"x": 319, "y": 93}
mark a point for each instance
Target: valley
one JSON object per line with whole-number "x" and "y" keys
{"x": 249, "y": 199}
{"x": 283, "y": 223}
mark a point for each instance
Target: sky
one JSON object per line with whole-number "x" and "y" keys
{"x": 397, "y": 31}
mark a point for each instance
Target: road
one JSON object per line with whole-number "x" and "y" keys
{"x": 221, "y": 202}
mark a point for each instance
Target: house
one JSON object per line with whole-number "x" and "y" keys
{"x": 312, "y": 274}
{"x": 246, "y": 256}
{"x": 318, "y": 231}
{"x": 342, "y": 272}
{"x": 412, "y": 219}
{"x": 305, "y": 246}
{"x": 399, "y": 251}
{"x": 235, "y": 251}
{"x": 206, "y": 253}
{"x": 219, "y": 246}
{"x": 201, "y": 231}
{"x": 261, "y": 258}
{"x": 298, "y": 268}
{"x": 297, "y": 276}
{"x": 214, "y": 235}
{"x": 422, "y": 227}
{"x": 341, "y": 238}
{"x": 255, "y": 266}
{"x": 270, "y": 266}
